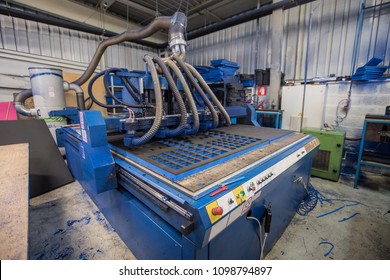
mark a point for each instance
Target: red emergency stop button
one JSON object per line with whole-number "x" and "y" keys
{"x": 217, "y": 211}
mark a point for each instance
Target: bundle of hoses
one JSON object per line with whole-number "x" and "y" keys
{"x": 164, "y": 65}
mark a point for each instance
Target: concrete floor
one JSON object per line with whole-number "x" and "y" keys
{"x": 365, "y": 236}
{"x": 65, "y": 224}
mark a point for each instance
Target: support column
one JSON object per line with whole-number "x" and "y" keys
{"x": 276, "y": 56}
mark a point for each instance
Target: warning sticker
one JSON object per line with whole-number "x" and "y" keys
{"x": 51, "y": 92}
{"x": 247, "y": 205}
{"x": 84, "y": 135}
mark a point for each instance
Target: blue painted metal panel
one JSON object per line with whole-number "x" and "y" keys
{"x": 151, "y": 237}
{"x": 153, "y": 230}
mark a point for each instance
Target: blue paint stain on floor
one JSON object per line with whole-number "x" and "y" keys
{"x": 84, "y": 219}
{"x": 100, "y": 218}
{"x": 64, "y": 253}
{"x": 84, "y": 256}
{"x": 59, "y": 231}
{"x": 57, "y": 247}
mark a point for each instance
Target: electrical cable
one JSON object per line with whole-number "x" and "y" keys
{"x": 130, "y": 89}
{"x": 134, "y": 88}
{"x": 120, "y": 105}
{"x": 340, "y": 118}
{"x": 263, "y": 246}
{"x": 90, "y": 85}
{"x": 131, "y": 114}
{"x": 107, "y": 87}
{"x": 260, "y": 234}
{"x": 310, "y": 201}
{"x": 313, "y": 197}
{"x": 90, "y": 104}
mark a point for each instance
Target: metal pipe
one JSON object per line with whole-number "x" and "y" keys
{"x": 306, "y": 70}
{"x": 176, "y": 38}
{"x": 244, "y": 17}
{"x": 79, "y": 94}
{"x": 19, "y": 100}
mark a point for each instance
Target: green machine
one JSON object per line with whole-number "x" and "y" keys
{"x": 327, "y": 160}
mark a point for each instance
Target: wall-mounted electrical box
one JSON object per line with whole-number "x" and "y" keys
{"x": 327, "y": 160}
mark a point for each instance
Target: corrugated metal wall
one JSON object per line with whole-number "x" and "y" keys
{"x": 249, "y": 44}
{"x": 334, "y": 24}
{"x": 72, "y": 46}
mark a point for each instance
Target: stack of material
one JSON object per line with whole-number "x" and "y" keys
{"x": 247, "y": 80}
{"x": 210, "y": 74}
{"x": 219, "y": 70}
{"x": 227, "y": 67}
{"x": 370, "y": 71}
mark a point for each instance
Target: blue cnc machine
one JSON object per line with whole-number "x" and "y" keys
{"x": 178, "y": 175}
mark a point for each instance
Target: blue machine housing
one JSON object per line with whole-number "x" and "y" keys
{"x": 162, "y": 198}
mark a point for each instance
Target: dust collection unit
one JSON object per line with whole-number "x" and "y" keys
{"x": 178, "y": 174}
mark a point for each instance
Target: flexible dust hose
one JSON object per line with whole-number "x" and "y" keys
{"x": 191, "y": 78}
{"x": 210, "y": 93}
{"x": 175, "y": 25}
{"x": 159, "y": 106}
{"x": 187, "y": 91}
{"x": 176, "y": 42}
{"x": 182, "y": 106}
{"x": 129, "y": 35}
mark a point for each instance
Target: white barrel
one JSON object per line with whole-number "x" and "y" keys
{"x": 47, "y": 89}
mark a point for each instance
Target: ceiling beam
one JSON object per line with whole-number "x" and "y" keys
{"x": 138, "y": 7}
{"x": 84, "y": 16}
{"x": 207, "y": 12}
{"x": 217, "y": 4}
{"x": 19, "y": 11}
{"x": 202, "y": 6}
{"x": 105, "y": 4}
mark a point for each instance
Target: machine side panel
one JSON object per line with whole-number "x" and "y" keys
{"x": 240, "y": 240}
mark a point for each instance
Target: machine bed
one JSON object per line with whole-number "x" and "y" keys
{"x": 196, "y": 163}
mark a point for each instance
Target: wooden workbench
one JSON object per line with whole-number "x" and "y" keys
{"x": 14, "y": 201}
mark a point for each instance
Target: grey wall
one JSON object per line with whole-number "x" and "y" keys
{"x": 24, "y": 43}
{"x": 331, "y": 45}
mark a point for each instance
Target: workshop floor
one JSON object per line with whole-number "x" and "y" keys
{"x": 364, "y": 236}
{"x": 65, "y": 224}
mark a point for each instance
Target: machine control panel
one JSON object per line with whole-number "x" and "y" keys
{"x": 239, "y": 199}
